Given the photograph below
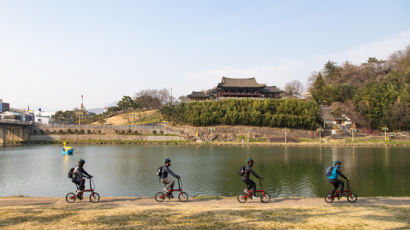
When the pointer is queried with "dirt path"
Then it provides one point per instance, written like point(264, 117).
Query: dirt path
point(225, 213)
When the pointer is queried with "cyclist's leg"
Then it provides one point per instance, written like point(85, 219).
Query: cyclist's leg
point(335, 185)
point(253, 187)
point(169, 183)
point(246, 181)
point(342, 185)
point(82, 184)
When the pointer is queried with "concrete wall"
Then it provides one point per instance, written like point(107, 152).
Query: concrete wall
point(102, 129)
point(13, 133)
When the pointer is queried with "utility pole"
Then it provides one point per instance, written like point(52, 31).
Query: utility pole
point(285, 130)
point(385, 129)
point(171, 96)
point(249, 132)
point(80, 113)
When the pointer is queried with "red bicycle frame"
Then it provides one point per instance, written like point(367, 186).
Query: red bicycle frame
point(174, 190)
point(250, 192)
point(346, 191)
point(85, 190)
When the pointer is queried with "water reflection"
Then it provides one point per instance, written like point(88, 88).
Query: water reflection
point(206, 170)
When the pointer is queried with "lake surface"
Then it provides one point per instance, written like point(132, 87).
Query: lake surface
point(129, 170)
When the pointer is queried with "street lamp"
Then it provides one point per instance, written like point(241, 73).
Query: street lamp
point(80, 114)
point(385, 129)
point(352, 130)
point(249, 131)
point(285, 130)
point(132, 118)
point(211, 129)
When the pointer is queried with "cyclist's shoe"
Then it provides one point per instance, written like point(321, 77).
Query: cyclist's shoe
point(254, 197)
point(245, 190)
point(170, 195)
point(80, 197)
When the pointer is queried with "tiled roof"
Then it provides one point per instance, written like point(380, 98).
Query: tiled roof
point(196, 94)
point(240, 83)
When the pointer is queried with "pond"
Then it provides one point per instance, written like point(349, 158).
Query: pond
point(129, 170)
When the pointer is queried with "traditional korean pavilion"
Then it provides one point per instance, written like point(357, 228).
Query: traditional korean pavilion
point(237, 88)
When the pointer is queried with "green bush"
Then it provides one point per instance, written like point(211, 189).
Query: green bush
point(154, 132)
point(291, 113)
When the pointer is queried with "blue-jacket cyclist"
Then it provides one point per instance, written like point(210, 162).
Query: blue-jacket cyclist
point(333, 178)
point(169, 183)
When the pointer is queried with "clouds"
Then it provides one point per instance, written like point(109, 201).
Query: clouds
point(380, 49)
point(296, 68)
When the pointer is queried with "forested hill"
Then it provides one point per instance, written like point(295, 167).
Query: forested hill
point(375, 94)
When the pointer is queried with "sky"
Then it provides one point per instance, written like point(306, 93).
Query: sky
point(52, 52)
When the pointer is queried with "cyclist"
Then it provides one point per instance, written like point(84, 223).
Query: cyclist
point(333, 178)
point(169, 183)
point(245, 178)
point(78, 176)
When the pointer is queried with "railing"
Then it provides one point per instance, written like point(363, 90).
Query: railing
point(15, 122)
point(114, 127)
point(236, 94)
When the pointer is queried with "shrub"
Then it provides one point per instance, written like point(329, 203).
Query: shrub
point(154, 132)
point(81, 131)
point(61, 131)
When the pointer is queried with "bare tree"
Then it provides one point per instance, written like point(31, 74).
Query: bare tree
point(153, 98)
point(294, 88)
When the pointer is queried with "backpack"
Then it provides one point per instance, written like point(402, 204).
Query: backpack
point(159, 171)
point(329, 171)
point(70, 173)
point(242, 170)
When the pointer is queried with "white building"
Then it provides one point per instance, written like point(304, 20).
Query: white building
point(41, 117)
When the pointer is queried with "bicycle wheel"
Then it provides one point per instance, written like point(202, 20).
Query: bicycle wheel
point(183, 197)
point(70, 197)
point(351, 198)
point(265, 198)
point(95, 197)
point(242, 197)
point(159, 196)
point(329, 198)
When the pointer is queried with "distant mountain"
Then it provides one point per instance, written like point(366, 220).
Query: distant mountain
point(96, 110)
point(101, 110)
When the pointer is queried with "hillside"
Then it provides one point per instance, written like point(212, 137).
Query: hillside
point(141, 117)
point(375, 94)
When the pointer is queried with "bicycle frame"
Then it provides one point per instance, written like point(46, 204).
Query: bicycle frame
point(175, 190)
point(345, 191)
point(91, 189)
point(261, 190)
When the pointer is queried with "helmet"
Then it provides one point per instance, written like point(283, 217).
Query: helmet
point(167, 160)
point(81, 161)
point(338, 162)
point(249, 159)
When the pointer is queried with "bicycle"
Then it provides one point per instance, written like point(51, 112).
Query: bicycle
point(94, 196)
point(182, 196)
point(265, 197)
point(351, 197)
